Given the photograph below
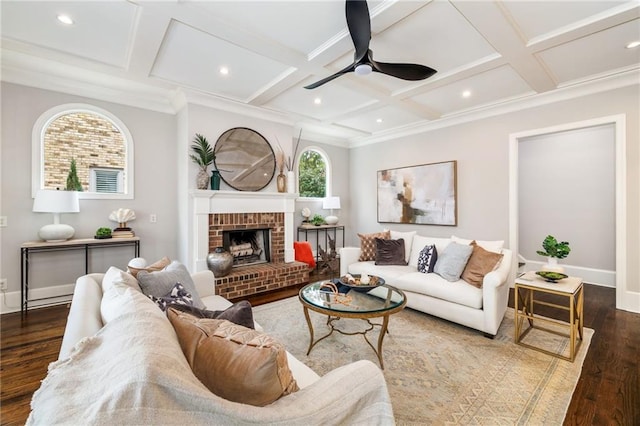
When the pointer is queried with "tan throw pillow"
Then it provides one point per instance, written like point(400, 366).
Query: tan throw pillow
point(368, 245)
point(480, 264)
point(156, 266)
point(234, 362)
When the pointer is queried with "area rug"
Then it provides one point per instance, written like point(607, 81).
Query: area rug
point(439, 372)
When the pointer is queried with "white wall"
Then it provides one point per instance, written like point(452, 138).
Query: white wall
point(482, 150)
point(567, 189)
point(155, 190)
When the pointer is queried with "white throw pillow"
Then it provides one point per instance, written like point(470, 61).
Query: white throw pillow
point(121, 299)
point(115, 275)
point(494, 246)
point(408, 241)
point(420, 242)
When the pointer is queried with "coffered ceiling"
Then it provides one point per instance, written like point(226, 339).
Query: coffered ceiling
point(150, 54)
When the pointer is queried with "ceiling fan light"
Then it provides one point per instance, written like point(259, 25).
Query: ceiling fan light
point(363, 69)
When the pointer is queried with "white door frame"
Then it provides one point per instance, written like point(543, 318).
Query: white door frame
point(625, 299)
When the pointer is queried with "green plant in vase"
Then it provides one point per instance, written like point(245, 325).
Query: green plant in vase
point(103, 232)
point(203, 156)
point(554, 250)
point(317, 220)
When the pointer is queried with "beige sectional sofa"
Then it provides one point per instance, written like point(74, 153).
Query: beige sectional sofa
point(132, 370)
point(480, 308)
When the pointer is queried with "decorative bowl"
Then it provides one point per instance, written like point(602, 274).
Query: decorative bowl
point(551, 276)
point(373, 283)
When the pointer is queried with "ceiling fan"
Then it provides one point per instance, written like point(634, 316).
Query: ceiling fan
point(359, 24)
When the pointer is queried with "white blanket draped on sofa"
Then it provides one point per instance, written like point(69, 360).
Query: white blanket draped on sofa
point(100, 383)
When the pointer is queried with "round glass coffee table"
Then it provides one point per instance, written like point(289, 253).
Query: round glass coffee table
point(381, 301)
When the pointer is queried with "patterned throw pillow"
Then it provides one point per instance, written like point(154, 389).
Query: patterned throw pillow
point(427, 259)
point(368, 245)
point(178, 295)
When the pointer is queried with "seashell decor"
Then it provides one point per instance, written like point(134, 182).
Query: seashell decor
point(122, 216)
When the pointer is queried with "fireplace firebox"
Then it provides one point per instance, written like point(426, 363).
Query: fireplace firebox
point(248, 247)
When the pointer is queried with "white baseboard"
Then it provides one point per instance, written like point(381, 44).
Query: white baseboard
point(10, 301)
point(601, 277)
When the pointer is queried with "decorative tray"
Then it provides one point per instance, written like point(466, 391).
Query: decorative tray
point(551, 276)
point(354, 281)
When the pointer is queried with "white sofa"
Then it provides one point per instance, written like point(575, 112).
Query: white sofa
point(480, 308)
point(132, 371)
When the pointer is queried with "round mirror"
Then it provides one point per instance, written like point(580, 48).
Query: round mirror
point(245, 159)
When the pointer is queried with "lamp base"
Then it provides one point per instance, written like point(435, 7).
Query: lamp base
point(56, 232)
point(331, 220)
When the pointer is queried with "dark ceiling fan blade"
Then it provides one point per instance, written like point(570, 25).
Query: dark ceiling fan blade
point(350, 68)
point(359, 25)
point(411, 72)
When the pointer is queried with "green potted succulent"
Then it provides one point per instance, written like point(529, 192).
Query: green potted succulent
point(554, 250)
point(203, 156)
point(317, 220)
point(103, 233)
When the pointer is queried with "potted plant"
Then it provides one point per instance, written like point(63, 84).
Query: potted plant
point(203, 156)
point(554, 250)
point(103, 233)
point(317, 220)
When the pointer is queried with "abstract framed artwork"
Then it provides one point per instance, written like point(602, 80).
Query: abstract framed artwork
point(424, 194)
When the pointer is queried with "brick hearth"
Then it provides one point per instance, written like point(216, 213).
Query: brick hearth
point(253, 279)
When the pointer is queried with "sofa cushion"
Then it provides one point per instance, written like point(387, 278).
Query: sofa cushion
point(159, 283)
point(140, 264)
point(116, 275)
point(239, 313)
point(120, 299)
point(389, 252)
point(494, 246)
point(459, 292)
point(408, 241)
point(368, 245)
point(177, 296)
point(452, 260)
point(420, 242)
point(427, 259)
point(480, 264)
point(234, 362)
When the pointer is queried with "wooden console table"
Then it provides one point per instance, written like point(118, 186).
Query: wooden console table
point(78, 244)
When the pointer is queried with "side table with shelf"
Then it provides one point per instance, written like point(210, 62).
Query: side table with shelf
point(319, 231)
point(526, 287)
point(26, 249)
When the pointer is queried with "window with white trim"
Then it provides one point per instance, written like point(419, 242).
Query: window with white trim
point(313, 173)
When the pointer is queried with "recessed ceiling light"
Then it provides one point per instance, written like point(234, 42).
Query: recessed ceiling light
point(633, 44)
point(379, 120)
point(466, 94)
point(65, 19)
point(317, 101)
point(224, 70)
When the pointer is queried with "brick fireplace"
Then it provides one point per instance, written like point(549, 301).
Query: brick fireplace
point(218, 211)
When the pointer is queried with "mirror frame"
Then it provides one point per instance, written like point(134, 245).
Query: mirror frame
point(230, 177)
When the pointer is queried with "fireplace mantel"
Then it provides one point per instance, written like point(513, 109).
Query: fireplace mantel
point(210, 202)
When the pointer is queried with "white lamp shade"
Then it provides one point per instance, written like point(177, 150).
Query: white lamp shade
point(331, 203)
point(52, 201)
point(56, 202)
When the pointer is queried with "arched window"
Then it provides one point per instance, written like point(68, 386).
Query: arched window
point(314, 173)
point(90, 139)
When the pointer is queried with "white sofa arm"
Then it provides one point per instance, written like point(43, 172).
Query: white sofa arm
point(205, 283)
point(495, 294)
point(355, 394)
point(84, 318)
point(348, 255)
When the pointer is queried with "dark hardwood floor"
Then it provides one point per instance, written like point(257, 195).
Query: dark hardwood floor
point(608, 392)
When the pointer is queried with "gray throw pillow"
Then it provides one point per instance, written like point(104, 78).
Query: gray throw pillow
point(452, 260)
point(390, 252)
point(159, 283)
point(239, 313)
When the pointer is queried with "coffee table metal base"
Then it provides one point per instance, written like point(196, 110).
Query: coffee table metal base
point(331, 319)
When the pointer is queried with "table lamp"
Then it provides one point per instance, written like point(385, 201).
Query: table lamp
point(331, 203)
point(56, 202)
